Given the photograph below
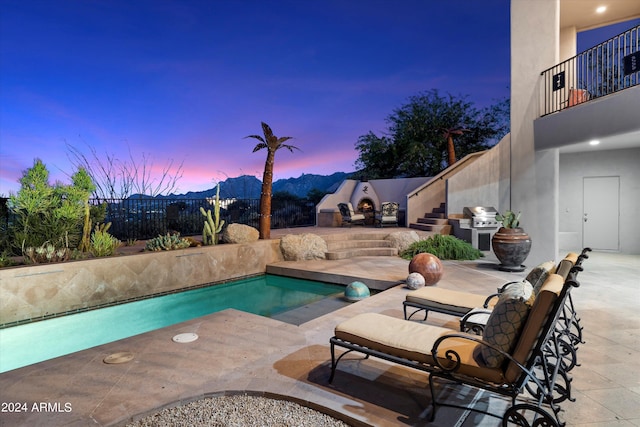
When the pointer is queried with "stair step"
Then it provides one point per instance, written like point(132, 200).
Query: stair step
point(439, 229)
point(337, 245)
point(370, 235)
point(356, 252)
point(436, 221)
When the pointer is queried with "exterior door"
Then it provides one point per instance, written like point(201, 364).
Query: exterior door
point(600, 226)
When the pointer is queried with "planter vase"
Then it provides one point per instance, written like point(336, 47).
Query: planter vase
point(511, 246)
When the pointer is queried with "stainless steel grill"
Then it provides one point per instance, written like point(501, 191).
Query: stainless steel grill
point(482, 217)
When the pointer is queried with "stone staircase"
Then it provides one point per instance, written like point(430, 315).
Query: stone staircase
point(436, 221)
point(349, 245)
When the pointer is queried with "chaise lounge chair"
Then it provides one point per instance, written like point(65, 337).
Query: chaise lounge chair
point(503, 361)
point(473, 307)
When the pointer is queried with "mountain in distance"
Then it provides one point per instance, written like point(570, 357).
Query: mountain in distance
point(249, 187)
point(307, 182)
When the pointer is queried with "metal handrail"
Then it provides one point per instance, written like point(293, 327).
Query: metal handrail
point(609, 67)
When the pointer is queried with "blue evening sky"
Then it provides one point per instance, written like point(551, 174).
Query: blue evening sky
point(188, 79)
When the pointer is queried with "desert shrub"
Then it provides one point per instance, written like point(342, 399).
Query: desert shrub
point(46, 214)
point(102, 243)
point(6, 260)
point(444, 247)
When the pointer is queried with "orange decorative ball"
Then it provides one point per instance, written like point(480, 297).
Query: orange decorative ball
point(429, 266)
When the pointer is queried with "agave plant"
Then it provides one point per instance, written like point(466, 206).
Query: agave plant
point(509, 219)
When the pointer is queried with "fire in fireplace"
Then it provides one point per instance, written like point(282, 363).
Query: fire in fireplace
point(366, 205)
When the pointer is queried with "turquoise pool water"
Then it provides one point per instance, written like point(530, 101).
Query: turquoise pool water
point(266, 295)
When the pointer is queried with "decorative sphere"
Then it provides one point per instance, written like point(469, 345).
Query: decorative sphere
point(415, 281)
point(429, 266)
point(355, 291)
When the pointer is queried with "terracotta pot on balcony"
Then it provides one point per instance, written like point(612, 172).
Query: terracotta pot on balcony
point(511, 246)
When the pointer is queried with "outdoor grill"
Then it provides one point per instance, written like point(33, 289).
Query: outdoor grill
point(482, 217)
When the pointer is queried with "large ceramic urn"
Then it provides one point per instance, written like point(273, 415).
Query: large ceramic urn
point(511, 246)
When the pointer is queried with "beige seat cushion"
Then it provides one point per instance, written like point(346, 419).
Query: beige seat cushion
point(506, 321)
point(437, 299)
point(413, 341)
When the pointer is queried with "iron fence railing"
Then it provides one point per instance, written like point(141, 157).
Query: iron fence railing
point(609, 67)
point(144, 218)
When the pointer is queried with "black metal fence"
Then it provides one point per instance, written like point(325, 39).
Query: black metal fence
point(607, 68)
point(144, 218)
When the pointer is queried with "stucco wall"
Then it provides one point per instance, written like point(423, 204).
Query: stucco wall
point(574, 168)
point(483, 183)
point(46, 289)
point(534, 182)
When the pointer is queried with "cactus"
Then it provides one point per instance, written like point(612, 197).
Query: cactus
point(212, 223)
point(102, 243)
point(168, 242)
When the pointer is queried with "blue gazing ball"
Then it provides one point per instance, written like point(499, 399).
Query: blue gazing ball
point(355, 291)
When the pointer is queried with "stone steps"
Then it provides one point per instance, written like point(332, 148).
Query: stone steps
point(435, 221)
point(337, 245)
point(342, 246)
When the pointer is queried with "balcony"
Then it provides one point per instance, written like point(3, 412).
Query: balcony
point(592, 96)
point(607, 68)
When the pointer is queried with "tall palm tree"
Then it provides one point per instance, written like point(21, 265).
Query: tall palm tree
point(451, 149)
point(272, 143)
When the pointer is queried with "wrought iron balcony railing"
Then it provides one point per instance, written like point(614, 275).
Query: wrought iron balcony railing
point(609, 67)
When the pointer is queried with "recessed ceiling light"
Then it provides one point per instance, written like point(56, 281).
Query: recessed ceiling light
point(601, 9)
point(594, 142)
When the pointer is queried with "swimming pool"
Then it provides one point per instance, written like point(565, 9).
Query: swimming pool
point(266, 295)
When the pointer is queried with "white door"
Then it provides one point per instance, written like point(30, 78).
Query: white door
point(600, 226)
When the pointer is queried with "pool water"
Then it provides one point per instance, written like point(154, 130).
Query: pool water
point(266, 295)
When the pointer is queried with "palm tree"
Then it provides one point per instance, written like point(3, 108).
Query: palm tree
point(272, 143)
point(451, 149)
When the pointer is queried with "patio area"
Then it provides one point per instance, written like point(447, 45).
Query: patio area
point(241, 352)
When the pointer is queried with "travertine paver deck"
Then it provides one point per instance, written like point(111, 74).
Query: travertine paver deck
point(237, 351)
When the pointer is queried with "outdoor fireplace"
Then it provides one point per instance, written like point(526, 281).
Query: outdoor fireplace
point(364, 198)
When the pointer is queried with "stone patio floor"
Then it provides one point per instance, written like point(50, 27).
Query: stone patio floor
point(241, 352)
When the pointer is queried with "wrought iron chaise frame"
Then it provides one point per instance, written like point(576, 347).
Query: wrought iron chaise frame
point(538, 372)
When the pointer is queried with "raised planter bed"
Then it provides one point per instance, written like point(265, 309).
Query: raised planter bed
point(37, 291)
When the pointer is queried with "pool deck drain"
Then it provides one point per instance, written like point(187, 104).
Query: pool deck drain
point(185, 338)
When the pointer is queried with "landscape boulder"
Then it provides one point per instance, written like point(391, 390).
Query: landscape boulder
point(401, 240)
point(240, 233)
point(301, 247)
